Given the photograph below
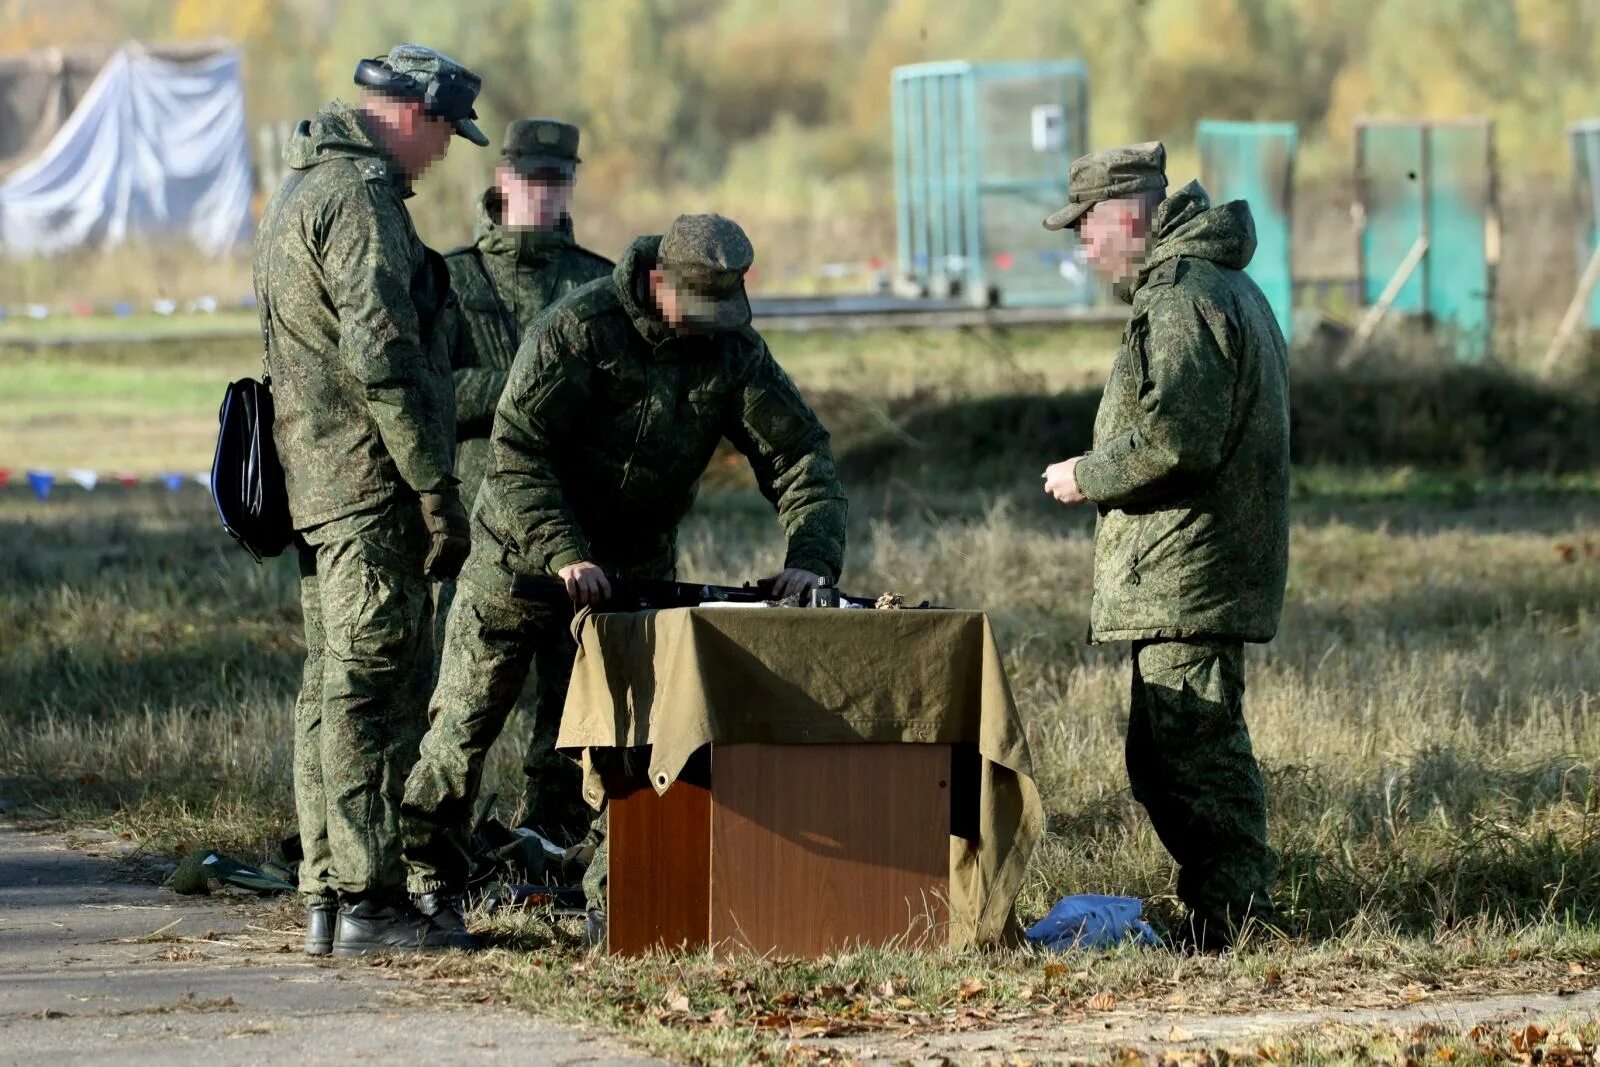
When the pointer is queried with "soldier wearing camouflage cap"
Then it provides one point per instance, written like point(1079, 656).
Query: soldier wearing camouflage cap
point(616, 402)
point(1190, 473)
point(349, 299)
point(522, 259)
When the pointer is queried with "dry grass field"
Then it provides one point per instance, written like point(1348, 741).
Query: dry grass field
point(1429, 717)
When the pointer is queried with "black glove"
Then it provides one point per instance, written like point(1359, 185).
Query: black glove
point(449, 537)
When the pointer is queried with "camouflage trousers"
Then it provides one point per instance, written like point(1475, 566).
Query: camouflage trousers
point(552, 802)
point(363, 695)
point(1192, 767)
point(491, 645)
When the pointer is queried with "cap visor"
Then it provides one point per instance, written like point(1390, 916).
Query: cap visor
point(1067, 216)
point(469, 129)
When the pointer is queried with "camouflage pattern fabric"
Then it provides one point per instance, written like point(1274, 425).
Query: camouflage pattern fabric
point(364, 422)
point(1110, 174)
point(349, 299)
point(608, 422)
point(1190, 466)
point(363, 700)
point(1191, 766)
point(599, 442)
point(501, 282)
point(552, 801)
point(491, 644)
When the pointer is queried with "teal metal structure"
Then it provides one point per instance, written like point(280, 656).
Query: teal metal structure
point(1254, 162)
point(1585, 139)
point(981, 156)
point(1433, 180)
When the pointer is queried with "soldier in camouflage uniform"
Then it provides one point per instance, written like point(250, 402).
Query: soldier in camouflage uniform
point(615, 404)
point(523, 259)
point(348, 298)
point(1190, 473)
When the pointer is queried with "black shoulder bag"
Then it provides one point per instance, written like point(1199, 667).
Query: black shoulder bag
point(246, 477)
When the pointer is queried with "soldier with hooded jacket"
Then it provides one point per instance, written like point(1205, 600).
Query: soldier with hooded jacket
point(1190, 474)
point(616, 402)
point(364, 427)
point(522, 260)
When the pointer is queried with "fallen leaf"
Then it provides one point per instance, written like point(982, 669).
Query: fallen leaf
point(1529, 1038)
point(1102, 1002)
point(886, 990)
point(679, 1003)
point(1178, 1035)
point(1447, 1053)
point(969, 988)
point(1055, 970)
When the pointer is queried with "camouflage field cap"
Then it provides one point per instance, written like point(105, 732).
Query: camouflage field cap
point(448, 89)
point(706, 257)
point(534, 145)
point(1108, 175)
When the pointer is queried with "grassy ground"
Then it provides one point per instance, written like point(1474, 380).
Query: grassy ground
point(1426, 717)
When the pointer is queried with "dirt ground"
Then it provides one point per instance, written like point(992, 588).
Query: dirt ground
point(94, 965)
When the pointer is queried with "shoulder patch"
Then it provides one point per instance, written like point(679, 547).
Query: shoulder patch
point(591, 300)
point(372, 169)
point(1166, 273)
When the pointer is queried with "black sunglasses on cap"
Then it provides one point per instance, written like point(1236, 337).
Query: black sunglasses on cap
point(447, 95)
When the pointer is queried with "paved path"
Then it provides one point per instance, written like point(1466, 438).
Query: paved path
point(90, 972)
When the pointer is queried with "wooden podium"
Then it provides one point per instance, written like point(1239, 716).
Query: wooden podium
point(794, 849)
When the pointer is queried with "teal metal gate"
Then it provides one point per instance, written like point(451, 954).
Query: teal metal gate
point(1254, 162)
point(1426, 194)
point(981, 156)
point(1585, 138)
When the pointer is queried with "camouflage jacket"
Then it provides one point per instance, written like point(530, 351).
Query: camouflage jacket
point(348, 298)
point(609, 420)
point(1190, 466)
point(501, 281)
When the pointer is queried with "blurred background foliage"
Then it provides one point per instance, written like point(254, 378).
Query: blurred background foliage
point(776, 111)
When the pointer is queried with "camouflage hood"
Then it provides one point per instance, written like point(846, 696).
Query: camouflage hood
point(337, 132)
point(529, 247)
point(1187, 225)
point(633, 290)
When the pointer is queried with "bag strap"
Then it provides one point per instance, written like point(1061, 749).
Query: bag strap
point(290, 184)
point(506, 319)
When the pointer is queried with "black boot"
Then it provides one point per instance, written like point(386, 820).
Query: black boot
point(448, 914)
point(321, 918)
point(378, 926)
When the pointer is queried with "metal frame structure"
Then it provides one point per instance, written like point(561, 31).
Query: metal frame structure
point(942, 182)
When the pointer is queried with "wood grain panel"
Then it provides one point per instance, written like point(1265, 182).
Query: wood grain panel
point(818, 847)
point(658, 884)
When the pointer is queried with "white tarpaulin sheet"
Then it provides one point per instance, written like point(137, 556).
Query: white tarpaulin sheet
point(156, 149)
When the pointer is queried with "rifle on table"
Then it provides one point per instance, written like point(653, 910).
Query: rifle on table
point(651, 594)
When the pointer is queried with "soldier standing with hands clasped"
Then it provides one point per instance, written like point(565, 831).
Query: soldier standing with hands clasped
point(523, 259)
point(1190, 473)
point(348, 298)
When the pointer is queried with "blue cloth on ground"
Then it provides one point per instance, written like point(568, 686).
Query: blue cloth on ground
point(1089, 920)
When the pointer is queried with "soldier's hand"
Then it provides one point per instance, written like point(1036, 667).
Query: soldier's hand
point(449, 536)
point(1061, 481)
point(794, 581)
point(586, 583)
